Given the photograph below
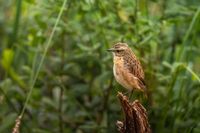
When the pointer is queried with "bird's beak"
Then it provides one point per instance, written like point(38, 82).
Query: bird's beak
point(111, 50)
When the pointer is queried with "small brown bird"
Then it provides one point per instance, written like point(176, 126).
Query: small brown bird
point(127, 68)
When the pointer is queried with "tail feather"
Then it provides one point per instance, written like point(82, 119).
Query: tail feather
point(143, 87)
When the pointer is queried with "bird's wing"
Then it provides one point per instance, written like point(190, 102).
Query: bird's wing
point(134, 67)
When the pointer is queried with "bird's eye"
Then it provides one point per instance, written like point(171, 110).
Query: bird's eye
point(118, 51)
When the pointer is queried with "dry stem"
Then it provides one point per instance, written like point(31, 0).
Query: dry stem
point(136, 120)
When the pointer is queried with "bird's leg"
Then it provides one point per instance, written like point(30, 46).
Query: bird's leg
point(140, 97)
point(131, 94)
point(126, 92)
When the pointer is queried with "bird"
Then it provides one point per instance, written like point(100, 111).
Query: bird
point(127, 69)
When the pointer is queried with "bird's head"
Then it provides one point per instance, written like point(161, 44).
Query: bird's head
point(119, 49)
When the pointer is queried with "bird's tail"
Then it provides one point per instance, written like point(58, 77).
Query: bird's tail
point(148, 96)
point(143, 87)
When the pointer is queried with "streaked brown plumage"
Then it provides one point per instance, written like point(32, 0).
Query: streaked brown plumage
point(127, 68)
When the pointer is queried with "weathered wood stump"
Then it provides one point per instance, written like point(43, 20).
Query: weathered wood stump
point(136, 120)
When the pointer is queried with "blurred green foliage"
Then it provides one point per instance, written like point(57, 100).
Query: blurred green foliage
point(75, 90)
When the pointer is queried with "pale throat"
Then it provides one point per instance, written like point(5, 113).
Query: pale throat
point(117, 64)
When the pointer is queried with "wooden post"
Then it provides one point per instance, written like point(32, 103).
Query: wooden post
point(136, 120)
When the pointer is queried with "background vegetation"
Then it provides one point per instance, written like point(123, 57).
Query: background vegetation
point(74, 90)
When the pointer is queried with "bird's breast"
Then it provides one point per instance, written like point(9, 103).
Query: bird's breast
point(121, 73)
